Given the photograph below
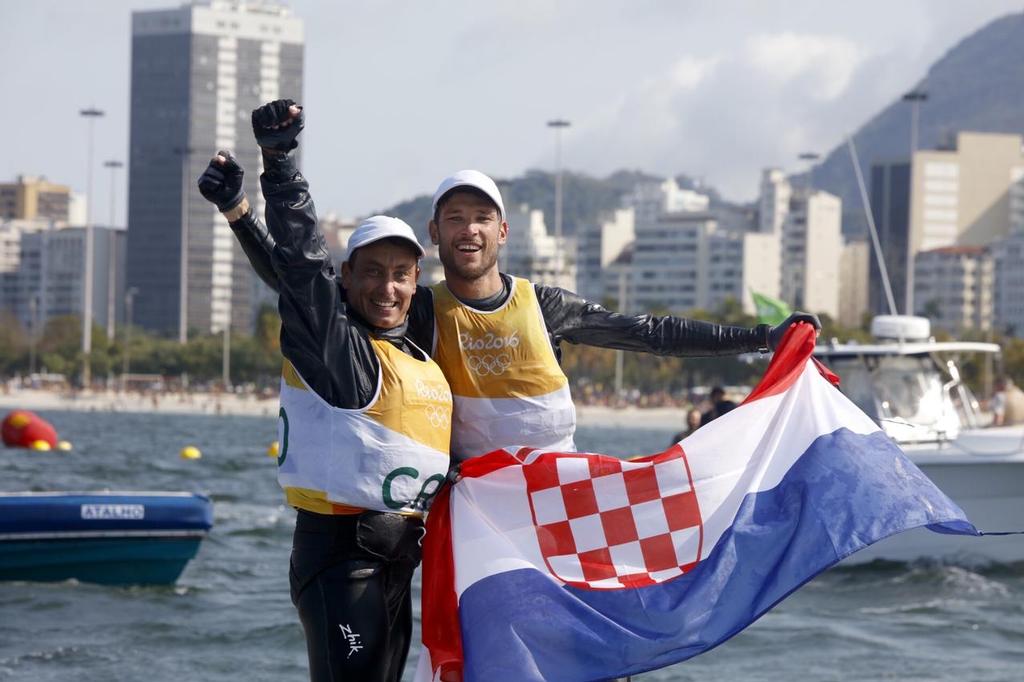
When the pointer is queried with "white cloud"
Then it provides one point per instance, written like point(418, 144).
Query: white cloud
point(689, 71)
point(828, 62)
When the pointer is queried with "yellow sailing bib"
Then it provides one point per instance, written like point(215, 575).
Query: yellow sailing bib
point(507, 387)
point(389, 456)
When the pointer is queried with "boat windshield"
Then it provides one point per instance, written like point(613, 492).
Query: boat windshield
point(904, 393)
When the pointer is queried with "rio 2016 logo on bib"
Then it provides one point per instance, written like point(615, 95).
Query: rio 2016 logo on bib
point(489, 341)
point(488, 363)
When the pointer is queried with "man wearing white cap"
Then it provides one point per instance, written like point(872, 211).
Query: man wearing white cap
point(497, 336)
point(365, 419)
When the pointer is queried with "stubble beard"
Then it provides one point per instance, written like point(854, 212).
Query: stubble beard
point(465, 272)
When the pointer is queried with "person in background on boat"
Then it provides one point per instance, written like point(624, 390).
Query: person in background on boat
point(693, 417)
point(365, 414)
point(719, 406)
point(498, 337)
point(1007, 403)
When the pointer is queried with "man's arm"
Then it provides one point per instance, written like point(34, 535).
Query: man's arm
point(317, 336)
point(571, 318)
point(221, 185)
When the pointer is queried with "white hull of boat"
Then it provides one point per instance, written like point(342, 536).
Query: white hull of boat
point(983, 472)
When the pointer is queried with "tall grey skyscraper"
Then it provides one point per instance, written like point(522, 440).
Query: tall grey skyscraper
point(197, 72)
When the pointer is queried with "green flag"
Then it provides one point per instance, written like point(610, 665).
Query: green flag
point(770, 310)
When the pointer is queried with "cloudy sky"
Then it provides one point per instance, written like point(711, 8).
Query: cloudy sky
point(401, 93)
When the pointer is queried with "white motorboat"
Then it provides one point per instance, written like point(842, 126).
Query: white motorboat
point(911, 385)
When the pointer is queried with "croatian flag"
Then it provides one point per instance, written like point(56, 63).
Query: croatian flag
point(570, 566)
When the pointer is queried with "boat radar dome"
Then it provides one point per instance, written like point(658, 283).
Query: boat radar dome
point(901, 328)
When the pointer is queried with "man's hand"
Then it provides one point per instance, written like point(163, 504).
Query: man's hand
point(277, 124)
point(221, 182)
point(776, 333)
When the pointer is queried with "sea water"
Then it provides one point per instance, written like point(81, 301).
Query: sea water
point(229, 616)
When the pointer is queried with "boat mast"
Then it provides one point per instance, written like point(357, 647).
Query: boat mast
point(871, 226)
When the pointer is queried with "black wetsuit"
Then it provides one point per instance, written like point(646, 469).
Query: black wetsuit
point(350, 574)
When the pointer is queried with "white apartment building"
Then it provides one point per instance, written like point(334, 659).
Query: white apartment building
point(809, 224)
point(972, 194)
point(684, 258)
point(853, 282)
point(953, 287)
point(534, 254)
point(597, 246)
point(1008, 294)
point(44, 267)
point(773, 202)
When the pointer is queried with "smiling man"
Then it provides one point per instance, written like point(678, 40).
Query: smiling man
point(365, 418)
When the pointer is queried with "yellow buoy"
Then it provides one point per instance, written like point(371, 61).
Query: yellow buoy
point(40, 445)
point(190, 452)
point(274, 449)
point(64, 446)
point(19, 420)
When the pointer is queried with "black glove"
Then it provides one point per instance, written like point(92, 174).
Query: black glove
point(221, 184)
point(274, 127)
point(776, 333)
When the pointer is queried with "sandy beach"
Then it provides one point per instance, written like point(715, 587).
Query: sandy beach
point(252, 405)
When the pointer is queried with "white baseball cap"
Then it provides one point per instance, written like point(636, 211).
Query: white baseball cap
point(378, 227)
point(470, 178)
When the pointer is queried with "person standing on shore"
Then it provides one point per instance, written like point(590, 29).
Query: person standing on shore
point(365, 419)
point(497, 337)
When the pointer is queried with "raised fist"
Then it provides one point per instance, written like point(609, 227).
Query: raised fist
point(221, 182)
point(277, 124)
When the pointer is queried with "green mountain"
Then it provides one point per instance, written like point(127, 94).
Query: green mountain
point(585, 197)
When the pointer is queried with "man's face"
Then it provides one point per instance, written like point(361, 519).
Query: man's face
point(467, 232)
point(380, 282)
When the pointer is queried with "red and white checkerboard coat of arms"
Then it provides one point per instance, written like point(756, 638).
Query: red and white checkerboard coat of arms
point(604, 523)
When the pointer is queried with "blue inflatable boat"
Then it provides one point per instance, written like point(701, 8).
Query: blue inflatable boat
point(113, 538)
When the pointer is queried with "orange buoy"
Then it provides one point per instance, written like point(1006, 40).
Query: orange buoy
point(24, 429)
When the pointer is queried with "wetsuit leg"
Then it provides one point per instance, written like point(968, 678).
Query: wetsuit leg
point(351, 583)
point(344, 613)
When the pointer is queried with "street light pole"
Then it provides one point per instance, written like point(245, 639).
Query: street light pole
point(915, 97)
point(129, 299)
point(90, 114)
point(558, 125)
point(809, 158)
point(226, 359)
point(186, 155)
point(112, 252)
point(33, 310)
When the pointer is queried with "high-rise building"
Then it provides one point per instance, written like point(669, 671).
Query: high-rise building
point(597, 246)
point(809, 225)
point(953, 287)
point(970, 193)
point(689, 255)
point(531, 252)
point(197, 72)
point(29, 198)
point(1008, 288)
point(853, 282)
point(43, 272)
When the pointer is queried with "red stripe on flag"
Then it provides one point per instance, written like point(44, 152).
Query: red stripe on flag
point(442, 634)
point(788, 362)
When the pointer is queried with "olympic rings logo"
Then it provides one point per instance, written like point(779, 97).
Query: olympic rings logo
point(438, 416)
point(433, 391)
point(484, 365)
